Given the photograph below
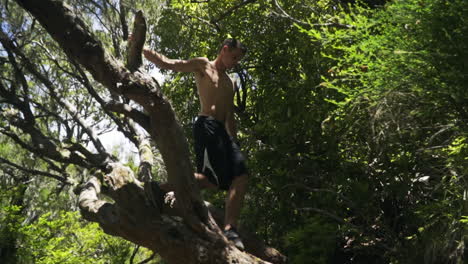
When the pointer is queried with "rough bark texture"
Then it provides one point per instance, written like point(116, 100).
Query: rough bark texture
point(133, 218)
point(184, 232)
point(134, 59)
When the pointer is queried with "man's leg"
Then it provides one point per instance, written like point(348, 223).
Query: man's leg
point(234, 200)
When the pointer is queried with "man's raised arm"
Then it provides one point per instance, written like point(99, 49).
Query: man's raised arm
point(161, 61)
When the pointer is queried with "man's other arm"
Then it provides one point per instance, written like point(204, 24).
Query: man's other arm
point(162, 62)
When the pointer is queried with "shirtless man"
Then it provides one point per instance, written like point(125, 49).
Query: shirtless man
point(220, 164)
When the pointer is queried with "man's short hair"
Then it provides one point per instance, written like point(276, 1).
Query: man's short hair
point(233, 43)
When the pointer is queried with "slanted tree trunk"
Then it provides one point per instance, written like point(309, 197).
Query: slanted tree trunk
point(181, 230)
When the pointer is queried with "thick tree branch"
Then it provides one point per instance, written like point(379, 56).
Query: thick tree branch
point(134, 219)
point(153, 192)
point(91, 205)
point(125, 109)
point(135, 45)
point(146, 160)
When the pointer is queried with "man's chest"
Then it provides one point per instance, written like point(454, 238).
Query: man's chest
point(219, 82)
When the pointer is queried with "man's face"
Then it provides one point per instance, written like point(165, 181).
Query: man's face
point(231, 57)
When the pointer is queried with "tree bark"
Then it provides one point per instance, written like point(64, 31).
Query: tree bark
point(133, 218)
point(182, 233)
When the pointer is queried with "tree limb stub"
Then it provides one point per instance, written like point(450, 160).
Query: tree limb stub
point(135, 45)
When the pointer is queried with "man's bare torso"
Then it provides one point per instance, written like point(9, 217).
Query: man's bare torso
point(216, 92)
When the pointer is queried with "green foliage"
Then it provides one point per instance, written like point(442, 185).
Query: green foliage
point(10, 219)
point(64, 238)
point(36, 225)
point(313, 243)
point(399, 118)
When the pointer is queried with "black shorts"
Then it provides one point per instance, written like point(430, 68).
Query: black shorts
point(218, 157)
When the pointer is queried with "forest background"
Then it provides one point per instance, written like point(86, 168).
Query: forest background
point(353, 116)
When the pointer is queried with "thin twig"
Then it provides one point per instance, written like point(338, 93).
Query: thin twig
point(297, 21)
point(231, 10)
point(35, 172)
point(148, 259)
point(135, 251)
